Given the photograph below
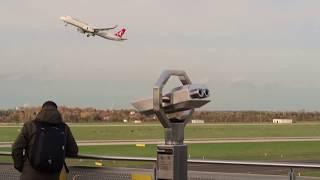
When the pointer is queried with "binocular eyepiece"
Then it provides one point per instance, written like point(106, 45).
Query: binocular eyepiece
point(179, 99)
point(199, 93)
point(183, 99)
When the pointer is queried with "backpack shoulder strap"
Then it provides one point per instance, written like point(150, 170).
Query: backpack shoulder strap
point(66, 167)
point(33, 134)
point(66, 133)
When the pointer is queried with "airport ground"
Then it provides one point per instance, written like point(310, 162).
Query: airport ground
point(297, 142)
point(199, 132)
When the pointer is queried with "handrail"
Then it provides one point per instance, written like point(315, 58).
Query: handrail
point(5, 153)
point(117, 158)
point(194, 161)
point(255, 163)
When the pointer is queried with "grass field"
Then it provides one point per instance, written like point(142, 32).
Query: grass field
point(267, 151)
point(258, 151)
point(273, 151)
point(154, 131)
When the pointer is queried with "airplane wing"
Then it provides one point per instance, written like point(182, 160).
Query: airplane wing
point(104, 29)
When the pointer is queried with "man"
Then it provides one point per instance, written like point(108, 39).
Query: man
point(33, 145)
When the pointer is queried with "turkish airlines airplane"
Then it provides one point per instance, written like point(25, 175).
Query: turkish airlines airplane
point(85, 28)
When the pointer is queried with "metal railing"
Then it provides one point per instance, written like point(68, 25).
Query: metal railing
point(196, 161)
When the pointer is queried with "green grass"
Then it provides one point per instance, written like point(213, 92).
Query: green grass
point(191, 131)
point(266, 151)
point(313, 173)
point(120, 150)
point(197, 131)
point(254, 130)
point(8, 133)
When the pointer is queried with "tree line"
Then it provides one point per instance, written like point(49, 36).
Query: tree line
point(74, 115)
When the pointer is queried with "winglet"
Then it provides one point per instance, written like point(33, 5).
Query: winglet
point(120, 33)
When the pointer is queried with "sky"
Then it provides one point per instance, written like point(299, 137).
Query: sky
point(252, 54)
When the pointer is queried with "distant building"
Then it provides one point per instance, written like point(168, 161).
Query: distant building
point(137, 121)
point(106, 118)
point(197, 121)
point(282, 121)
point(132, 113)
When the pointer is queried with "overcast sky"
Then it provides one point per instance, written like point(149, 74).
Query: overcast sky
point(253, 54)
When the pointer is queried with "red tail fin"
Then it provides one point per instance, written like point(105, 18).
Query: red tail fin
point(120, 33)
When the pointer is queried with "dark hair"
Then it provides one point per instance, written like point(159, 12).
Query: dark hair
point(49, 103)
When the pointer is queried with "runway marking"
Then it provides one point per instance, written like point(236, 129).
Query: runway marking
point(5, 125)
point(188, 141)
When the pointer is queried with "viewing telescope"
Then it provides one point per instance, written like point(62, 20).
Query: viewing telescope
point(179, 99)
point(172, 156)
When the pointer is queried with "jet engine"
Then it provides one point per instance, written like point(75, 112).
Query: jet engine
point(80, 30)
point(90, 34)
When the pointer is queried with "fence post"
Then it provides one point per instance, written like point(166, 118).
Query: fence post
point(292, 176)
point(154, 172)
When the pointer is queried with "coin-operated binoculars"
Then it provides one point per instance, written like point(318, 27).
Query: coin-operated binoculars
point(174, 110)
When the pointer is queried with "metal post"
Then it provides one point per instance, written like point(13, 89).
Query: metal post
point(154, 172)
point(292, 176)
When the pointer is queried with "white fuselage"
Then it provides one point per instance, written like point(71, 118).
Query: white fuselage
point(77, 23)
point(110, 36)
point(90, 30)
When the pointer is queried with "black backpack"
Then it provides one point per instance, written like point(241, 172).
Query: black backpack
point(47, 154)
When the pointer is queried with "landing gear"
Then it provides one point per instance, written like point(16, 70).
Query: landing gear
point(90, 34)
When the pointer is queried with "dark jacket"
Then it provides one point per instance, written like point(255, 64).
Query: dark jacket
point(25, 140)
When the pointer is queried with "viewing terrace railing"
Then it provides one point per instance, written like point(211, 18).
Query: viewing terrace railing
point(290, 166)
point(198, 161)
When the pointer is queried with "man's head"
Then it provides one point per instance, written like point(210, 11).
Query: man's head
point(49, 104)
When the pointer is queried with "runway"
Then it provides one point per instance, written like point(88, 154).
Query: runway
point(188, 141)
point(11, 125)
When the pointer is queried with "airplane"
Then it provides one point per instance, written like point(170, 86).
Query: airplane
point(85, 28)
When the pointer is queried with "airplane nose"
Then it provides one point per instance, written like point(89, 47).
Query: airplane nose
point(62, 18)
